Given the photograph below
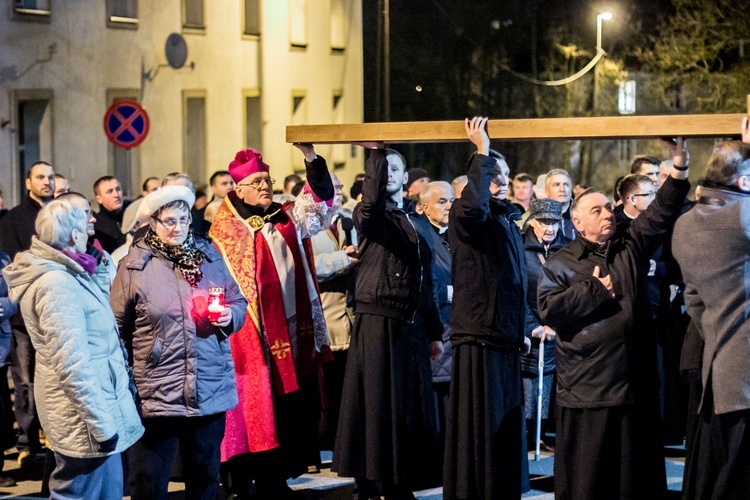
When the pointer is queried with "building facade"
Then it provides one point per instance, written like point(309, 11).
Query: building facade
point(252, 68)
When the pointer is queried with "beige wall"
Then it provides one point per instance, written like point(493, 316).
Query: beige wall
point(91, 59)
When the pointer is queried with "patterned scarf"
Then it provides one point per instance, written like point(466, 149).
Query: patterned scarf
point(185, 257)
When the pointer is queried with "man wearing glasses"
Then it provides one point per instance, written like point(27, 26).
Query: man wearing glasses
point(636, 192)
point(278, 354)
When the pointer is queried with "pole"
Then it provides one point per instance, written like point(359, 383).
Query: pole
point(539, 397)
point(379, 62)
point(595, 102)
point(387, 59)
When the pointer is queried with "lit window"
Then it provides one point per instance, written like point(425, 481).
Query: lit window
point(626, 98)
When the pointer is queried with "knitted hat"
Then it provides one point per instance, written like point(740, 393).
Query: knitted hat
point(246, 162)
point(545, 208)
point(415, 174)
point(166, 194)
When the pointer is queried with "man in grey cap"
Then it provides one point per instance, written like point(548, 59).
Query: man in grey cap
point(541, 239)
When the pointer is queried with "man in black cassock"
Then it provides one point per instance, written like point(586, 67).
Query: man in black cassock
point(387, 434)
point(485, 449)
point(594, 292)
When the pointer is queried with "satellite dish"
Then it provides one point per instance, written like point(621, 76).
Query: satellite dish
point(176, 50)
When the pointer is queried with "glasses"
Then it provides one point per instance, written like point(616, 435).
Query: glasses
point(548, 224)
point(650, 193)
point(170, 224)
point(258, 183)
point(338, 187)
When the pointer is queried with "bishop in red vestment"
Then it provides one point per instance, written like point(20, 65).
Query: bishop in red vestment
point(272, 434)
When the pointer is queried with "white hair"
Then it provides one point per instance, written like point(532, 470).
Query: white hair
point(56, 222)
point(426, 194)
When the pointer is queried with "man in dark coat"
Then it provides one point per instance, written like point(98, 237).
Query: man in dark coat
point(16, 230)
point(594, 293)
point(111, 208)
point(436, 200)
point(542, 238)
point(711, 244)
point(387, 435)
point(484, 446)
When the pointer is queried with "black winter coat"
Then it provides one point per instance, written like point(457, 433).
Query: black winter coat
point(489, 268)
point(441, 280)
point(17, 227)
point(16, 230)
point(107, 228)
point(606, 347)
point(394, 277)
point(533, 250)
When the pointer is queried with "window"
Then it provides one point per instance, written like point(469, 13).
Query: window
point(338, 25)
point(192, 14)
point(626, 98)
point(194, 139)
point(32, 10)
point(252, 18)
point(253, 120)
point(34, 134)
point(298, 23)
point(122, 14)
point(299, 117)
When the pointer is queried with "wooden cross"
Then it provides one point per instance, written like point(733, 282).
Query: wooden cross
point(605, 127)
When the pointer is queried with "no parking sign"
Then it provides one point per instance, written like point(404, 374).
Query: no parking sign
point(126, 124)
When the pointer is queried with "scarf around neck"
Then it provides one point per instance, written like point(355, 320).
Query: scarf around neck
point(186, 257)
point(86, 261)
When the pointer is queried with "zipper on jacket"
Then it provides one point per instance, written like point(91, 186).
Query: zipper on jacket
point(184, 333)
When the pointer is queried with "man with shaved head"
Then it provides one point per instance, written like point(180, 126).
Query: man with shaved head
point(594, 293)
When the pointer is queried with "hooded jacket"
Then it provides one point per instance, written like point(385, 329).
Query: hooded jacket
point(81, 382)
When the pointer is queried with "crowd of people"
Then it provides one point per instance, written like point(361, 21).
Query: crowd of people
point(429, 333)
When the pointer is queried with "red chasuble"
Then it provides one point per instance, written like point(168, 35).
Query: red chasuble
point(262, 349)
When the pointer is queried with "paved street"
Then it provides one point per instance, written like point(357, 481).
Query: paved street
point(327, 486)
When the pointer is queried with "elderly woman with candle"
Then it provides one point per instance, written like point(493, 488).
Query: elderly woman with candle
point(81, 380)
point(165, 299)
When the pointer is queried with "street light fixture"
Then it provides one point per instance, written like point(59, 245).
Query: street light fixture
point(604, 16)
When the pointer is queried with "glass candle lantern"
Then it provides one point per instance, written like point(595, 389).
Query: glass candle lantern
point(216, 304)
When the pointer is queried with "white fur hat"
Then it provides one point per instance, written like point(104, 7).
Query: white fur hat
point(167, 194)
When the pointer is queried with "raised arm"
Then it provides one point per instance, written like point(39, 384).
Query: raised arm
point(316, 172)
point(472, 209)
point(651, 227)
point(368, 214)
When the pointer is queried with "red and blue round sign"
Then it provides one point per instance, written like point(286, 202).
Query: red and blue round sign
point(126, 124)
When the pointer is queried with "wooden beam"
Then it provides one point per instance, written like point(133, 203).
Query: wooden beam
point(606, 127)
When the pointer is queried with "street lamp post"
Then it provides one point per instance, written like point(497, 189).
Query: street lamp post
point(604, 16)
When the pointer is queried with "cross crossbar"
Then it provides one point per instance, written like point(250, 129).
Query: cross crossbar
point(605, 127)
